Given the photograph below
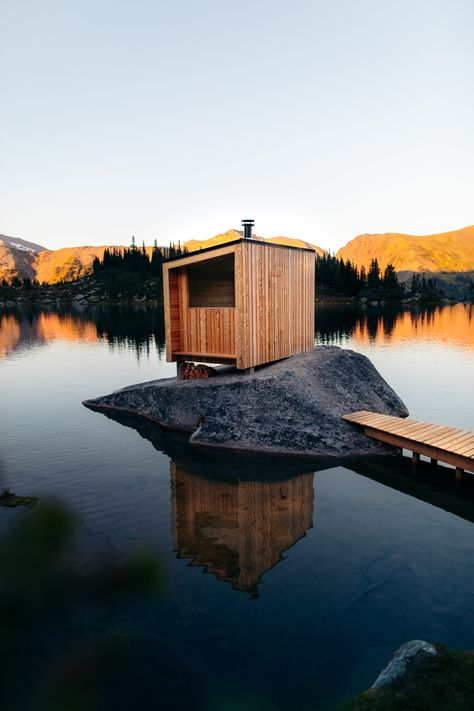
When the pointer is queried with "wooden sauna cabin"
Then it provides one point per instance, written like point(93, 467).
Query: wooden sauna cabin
point(245, 302)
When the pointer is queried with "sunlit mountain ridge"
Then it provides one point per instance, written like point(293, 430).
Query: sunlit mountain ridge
point(448, 253)
point(193, 245)
point(445, 252)
point(26, 259)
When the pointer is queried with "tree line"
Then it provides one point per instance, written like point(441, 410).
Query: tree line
point(136, 260)
point(336, 277)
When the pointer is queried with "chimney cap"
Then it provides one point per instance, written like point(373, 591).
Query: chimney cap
point(248, 222)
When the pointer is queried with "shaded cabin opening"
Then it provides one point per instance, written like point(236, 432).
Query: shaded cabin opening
point(212, 284)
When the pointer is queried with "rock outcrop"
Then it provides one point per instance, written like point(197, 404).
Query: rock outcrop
point(407, 656)
point(293, 406)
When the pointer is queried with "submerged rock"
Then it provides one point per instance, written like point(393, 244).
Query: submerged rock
point(10, 500)
point(292, 406)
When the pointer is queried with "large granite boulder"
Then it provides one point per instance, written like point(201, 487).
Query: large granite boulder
point(293, 406)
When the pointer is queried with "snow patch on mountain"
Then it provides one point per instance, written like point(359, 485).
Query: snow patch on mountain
point(17, 245)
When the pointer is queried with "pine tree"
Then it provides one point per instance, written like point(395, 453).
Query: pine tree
point(390, 281)
point(373, 276)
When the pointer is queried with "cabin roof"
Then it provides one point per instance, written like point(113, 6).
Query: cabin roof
point(215, 247)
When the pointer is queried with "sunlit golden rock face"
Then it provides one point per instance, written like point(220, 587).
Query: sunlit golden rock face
point(66, 264)
point(238, 530)
point(448, 251)
point(16, 263)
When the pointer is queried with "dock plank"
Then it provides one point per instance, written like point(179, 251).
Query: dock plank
point(450, 445)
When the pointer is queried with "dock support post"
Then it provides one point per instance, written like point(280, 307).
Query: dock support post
point(415, 457)
point(459, 473)
point(434, 461)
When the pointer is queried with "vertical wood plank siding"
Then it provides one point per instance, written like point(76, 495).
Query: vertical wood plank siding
point(275, 303)
point(172, 313)
point(273, 316)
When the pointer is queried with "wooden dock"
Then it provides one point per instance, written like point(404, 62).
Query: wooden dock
point(449, 445)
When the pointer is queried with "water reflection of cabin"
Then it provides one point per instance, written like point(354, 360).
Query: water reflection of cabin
point(238, 530)
point(246, 303)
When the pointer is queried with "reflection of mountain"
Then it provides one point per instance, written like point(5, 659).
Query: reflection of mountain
point(394, 323)
point(141, 328)
point(138, 328)
point(238, 530)
point(452, 325)
point(9, 334)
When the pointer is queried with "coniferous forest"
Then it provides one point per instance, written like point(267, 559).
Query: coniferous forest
point(338, 278)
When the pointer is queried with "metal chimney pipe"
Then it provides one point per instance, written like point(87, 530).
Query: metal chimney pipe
point(247, 225)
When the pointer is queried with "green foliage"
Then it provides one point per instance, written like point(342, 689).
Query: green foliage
point(425, 288)
point(131, 272)
point(10, 500)
point(336, 277)
point(373, 276)
point(41, 591)
point(390, 280)
point(136, 261)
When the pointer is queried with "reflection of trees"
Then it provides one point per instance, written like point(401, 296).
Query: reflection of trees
point(132, 327)
point(141, 328)
point(338, 322)
point(138, 328)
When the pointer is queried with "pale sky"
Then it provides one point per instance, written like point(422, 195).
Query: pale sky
point(319, 119)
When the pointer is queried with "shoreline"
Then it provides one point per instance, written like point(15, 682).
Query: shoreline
point(73, 295)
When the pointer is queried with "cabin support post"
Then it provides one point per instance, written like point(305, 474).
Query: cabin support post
point(179, 369)
point(434, 460)
point(459, 474)
point(415, 457)
point(249, 371)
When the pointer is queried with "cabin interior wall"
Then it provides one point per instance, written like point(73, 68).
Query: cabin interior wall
point(204, 330)
point(212, 284)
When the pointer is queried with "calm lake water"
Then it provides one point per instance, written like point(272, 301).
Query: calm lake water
point(286, 588)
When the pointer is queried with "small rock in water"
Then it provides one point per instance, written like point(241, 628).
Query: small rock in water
point(416, 649)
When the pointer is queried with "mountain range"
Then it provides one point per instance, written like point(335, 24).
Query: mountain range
point(447, 253)
point(444, 252)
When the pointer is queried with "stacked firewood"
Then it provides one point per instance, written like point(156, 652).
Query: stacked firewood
point(189, 371)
